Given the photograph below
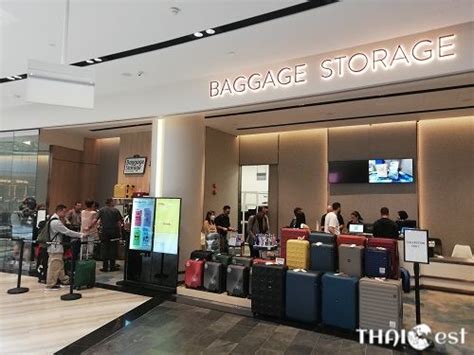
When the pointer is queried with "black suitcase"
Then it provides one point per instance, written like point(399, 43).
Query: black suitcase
point(325, 238)
point(268, 290)
point(42, 264)
point(222, 258)
point(237, 283)
point(214, 277)
point(201, 255)
point(242, 260)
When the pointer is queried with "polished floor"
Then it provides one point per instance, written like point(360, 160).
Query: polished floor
point(109, 278)
point(38, 322)
point(174, 328)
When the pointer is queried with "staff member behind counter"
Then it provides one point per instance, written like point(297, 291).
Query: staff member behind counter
point(385, 227)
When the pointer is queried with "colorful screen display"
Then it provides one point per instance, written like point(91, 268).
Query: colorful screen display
point(391, 171)
point(167, 219)
point(141, 230)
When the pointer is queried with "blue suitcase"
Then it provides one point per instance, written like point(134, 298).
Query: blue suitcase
point(340, 301)
point(405, 275)
point(323, 257)
point(325, 238)
point(377, 262)
point(303, 296)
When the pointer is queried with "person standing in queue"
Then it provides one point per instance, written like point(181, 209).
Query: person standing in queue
point(385, 227)
point(73, 217)
point(111, 222)
point(87, 216)
point(222, 222)
point(323, 218)
point(331, 222)
point(257, 224)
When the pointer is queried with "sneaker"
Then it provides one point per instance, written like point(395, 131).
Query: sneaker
point(52, 288)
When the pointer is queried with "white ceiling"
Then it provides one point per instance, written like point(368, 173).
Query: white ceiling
point(33, 29)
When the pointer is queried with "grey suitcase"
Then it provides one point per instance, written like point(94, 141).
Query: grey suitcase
point(351, 259)
point(242, 260)
point(214, 277)
point(237, 280)
point(380, 304)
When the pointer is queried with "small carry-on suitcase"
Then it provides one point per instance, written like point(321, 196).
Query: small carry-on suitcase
point(323, 257)
point(351, 259)
point(380, 304)
point(235, 251)
point(242, 260)
point(212, 242)
point(214, 277)
point(297, 254)
point(268, 290)
point(237, 283)
point(84, 273)
point(303, 296)
point(120, 190)
point(392, 246)
point(405, 276)
point(340, 301)
point(290, 233)
point(222, 258)
point(325, 238)
point(194, 273)
point(377, 262)
point(201, 255)
point(351, 239)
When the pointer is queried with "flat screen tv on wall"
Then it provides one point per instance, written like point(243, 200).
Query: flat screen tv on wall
point(348, 172)
point(391, 171)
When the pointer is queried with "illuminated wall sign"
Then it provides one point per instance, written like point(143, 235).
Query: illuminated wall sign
point(373, 59)
point(283, 77)
point(422, 51)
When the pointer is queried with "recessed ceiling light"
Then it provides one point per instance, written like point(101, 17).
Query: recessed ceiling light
point(90, 61)
point(98, 60)
point(231, 53)
point(198, 34)
point(52, 44)
point(210, 31)
point(127, 74)
point(17, 96)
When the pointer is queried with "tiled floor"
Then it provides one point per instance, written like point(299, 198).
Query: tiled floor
point(174, 328)
point(109, 278)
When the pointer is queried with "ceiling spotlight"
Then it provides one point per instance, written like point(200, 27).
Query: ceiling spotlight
point(90, 61)
point(10, 78)
point(17, 76)
point(98, 60)
point(210, 31)
point(198, 34)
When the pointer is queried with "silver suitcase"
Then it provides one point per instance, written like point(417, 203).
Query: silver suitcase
point(351, 260)
point(380, 304)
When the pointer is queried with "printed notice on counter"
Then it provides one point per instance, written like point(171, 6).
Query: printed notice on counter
point(416, 246)
point(167, 219)
point(141, 229)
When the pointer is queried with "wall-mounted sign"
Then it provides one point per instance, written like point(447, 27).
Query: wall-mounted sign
point(167, 221)
point(141, 229)
point(416, 246)
point(134, 165)
point(405, 52)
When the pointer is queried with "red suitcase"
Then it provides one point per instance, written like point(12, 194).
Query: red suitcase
point(291, 233)
point(194, 273)
point(263, 261)
point(351, 239)
point(392, 246)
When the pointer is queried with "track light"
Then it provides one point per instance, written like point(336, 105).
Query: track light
point(90, 61)
point(198, 34)
point(210, 31)
point(98, 60)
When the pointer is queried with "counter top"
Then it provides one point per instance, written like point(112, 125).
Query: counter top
point(451, 260)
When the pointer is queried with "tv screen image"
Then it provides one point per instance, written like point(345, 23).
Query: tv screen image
point(348, 172)
point(391, 171)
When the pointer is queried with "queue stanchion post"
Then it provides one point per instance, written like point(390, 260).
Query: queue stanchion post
point(71, 296)
point(18, 289)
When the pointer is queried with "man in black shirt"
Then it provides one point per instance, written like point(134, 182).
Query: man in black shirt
point(385, 227)
point(222, 222)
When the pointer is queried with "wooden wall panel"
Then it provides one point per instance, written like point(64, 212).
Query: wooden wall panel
point(130, 145)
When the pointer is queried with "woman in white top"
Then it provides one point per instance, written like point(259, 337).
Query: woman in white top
point(87, 216)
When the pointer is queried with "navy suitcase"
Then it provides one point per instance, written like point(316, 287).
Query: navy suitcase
point(321, 237)
point(303, 296)
point(377, 262)
point(201, 255)
point(268, 290)
point(405, 275)
point(242, 260)
point(237, 283)
point(323, 257)
point(340, 301)
point(214, 277)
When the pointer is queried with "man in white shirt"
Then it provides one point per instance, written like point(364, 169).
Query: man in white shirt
point(331, 222)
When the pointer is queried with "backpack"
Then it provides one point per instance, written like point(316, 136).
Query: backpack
point(43, 235)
